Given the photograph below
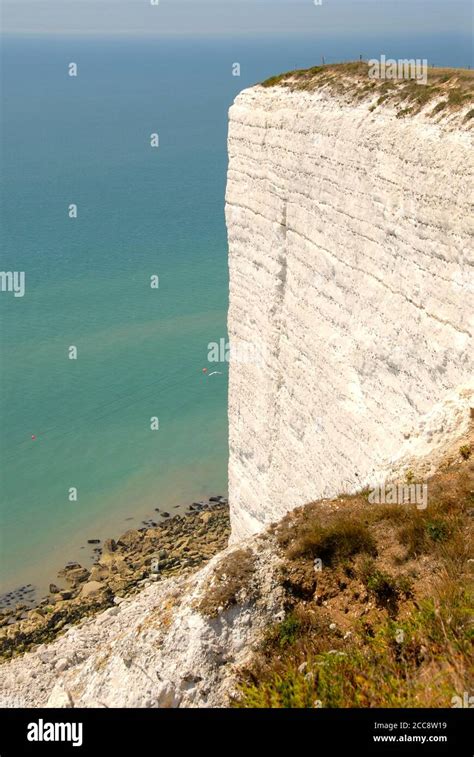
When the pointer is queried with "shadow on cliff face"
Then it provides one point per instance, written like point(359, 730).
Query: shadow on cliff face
point(377, 602)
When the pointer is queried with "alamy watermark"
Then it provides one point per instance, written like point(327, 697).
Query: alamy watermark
point(13, 281)
point(463, 701)
point(45, 731)
point(400, 494)
point(388, 69)
point(250, 353)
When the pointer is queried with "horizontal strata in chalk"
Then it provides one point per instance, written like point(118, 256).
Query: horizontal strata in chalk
point(350, 270)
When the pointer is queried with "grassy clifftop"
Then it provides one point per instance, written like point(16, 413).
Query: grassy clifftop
point(447, 89)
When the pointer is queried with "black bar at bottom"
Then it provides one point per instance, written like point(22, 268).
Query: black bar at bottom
point(93, 731)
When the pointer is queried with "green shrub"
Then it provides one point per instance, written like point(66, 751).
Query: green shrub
point(332, 544)
point(465, 450)
point(288, 630)
point(437, 530)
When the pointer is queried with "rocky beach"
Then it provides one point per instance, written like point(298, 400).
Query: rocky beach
point(167, 546)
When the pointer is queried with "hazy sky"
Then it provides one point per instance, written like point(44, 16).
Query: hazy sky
point(208, 17)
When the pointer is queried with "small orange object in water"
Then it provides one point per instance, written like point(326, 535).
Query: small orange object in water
point(204, 370)
point(33, 437)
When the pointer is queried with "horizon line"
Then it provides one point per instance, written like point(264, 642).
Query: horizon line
point(204, 35)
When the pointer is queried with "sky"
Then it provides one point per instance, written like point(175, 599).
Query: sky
point(230, 17)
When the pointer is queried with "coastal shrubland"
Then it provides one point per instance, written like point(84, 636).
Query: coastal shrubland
point(387, 620)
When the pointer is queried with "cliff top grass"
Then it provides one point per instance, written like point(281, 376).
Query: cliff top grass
point(447, 90)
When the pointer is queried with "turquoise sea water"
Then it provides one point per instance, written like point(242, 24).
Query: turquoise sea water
point(141, 211)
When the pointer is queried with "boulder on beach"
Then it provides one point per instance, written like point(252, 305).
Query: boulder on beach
point(131, 539)
point(92, 588)
point(74, 574)
point(110, 545)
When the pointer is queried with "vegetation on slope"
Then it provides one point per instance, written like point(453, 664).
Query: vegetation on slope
point(385, 619)
point(450, 89)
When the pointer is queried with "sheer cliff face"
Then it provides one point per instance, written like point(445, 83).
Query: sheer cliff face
point(351, 277)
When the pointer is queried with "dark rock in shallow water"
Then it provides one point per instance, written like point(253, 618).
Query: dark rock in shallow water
point(215, 499)
point(53, 589)
point(93, 541)
point(165, 515)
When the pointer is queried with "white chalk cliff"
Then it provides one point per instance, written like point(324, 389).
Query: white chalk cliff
point(351, 274)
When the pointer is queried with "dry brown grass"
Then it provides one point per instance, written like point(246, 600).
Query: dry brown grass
point(351, 80)
point(385, 629)
point(338, 541)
